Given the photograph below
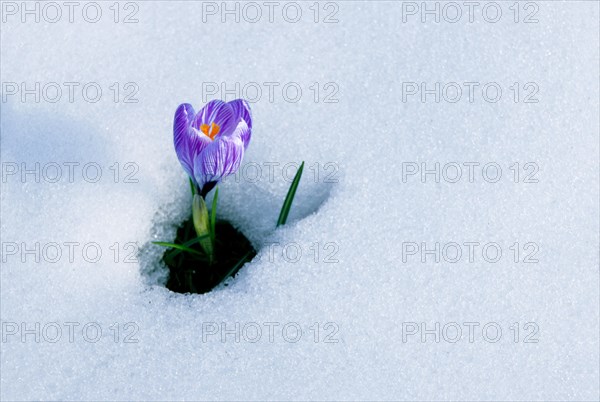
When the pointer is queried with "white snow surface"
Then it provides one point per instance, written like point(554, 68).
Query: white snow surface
point(364, 303)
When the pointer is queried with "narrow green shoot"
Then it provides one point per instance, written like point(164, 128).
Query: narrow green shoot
point(192, 186)
point(287, 204)
point(177, 246)
point(182, 247)
point(213, 216)
point(237, 266)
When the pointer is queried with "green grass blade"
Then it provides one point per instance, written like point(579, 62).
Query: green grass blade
point(213, 215)
point(287, 204)
point(177, 246)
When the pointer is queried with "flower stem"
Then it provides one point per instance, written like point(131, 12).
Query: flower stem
point(202, 225)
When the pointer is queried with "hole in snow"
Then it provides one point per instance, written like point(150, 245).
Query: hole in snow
point(247, 217)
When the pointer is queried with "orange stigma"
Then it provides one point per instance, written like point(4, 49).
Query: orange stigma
point(210, 131)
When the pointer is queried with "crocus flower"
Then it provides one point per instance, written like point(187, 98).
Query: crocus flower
point(210, 144)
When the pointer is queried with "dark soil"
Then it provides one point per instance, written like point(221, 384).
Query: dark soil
point(191, 273)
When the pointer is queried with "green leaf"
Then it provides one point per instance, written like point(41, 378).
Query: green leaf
point(194, 240)
point(287, 204)
point(176, 246)
point(181, 247)
point(192, 186)
point(213, 215)
point(237, 266)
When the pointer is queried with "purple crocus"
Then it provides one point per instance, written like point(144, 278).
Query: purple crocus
point(210, 144)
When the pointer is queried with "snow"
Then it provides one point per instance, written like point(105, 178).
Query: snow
point(157, 345)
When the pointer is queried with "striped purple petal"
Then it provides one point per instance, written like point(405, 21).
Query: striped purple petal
point(241, 108)
point(220, 158)
point(188, 143)
point(219, 113)
point(242, 131)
